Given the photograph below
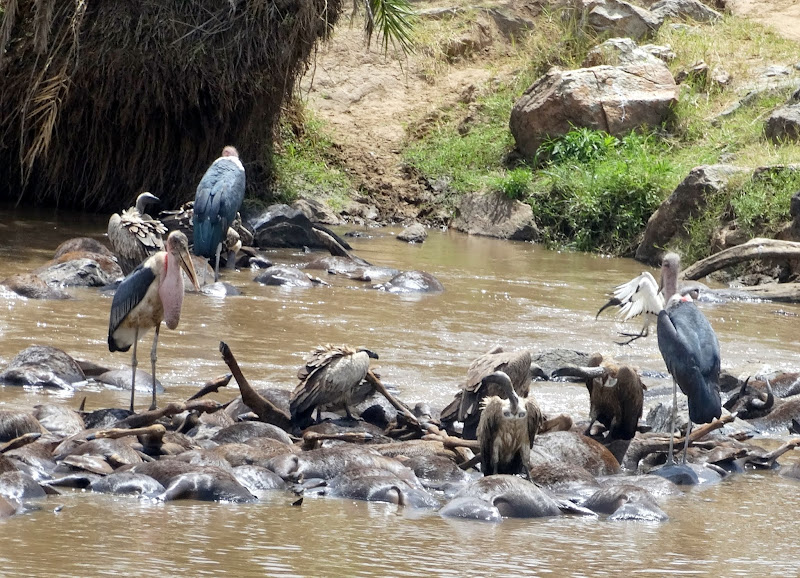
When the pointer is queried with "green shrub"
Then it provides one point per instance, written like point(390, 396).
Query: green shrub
point(582, 145)
point(516, 184)
point(602, 204)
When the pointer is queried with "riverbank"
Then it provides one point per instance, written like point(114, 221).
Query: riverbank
point(382, 115)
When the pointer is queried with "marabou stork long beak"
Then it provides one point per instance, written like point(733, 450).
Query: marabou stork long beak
point(188, 266)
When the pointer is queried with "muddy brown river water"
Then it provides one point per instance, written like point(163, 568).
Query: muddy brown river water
point(518, 295)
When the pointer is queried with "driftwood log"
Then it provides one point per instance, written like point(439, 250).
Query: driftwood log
point(758, 248)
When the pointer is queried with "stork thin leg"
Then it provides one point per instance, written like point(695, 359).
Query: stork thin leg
point(216, 264)
point(670, 458)
point(153, 358)
point(686, 443)
point(134, 363)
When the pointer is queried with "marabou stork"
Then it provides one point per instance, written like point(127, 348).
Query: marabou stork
point(688, 345)
point(134, 235)
point(642, 296)
point(329, 378)
point(507, 429)
point(217, 200)
point(466, 405)
point(151, 293)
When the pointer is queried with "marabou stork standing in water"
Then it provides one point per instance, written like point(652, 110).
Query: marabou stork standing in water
point(217, 200)
point(690, 350)
point(507, 429)
point(134, 235)
point(151, 293)
point(330, 377)
point(687, 342)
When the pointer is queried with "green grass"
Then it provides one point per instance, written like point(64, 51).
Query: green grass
point(305, 166)
point(758, 206)
point(589, 191)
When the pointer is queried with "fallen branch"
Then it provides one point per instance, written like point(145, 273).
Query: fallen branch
point(263, 408)
point(758, 248)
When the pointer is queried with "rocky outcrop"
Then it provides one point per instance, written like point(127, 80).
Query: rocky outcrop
point(317, 212)
point(687, 200)
point(495, 215)
point(784, 124)
point(622, 51)
point(683, 10)
point(619, 18)
point(613, 99)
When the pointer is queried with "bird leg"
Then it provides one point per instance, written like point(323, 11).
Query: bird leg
point(134, 363)
point(153, 358)
point(686, 443)
point(633, 336)
point(216, 264)
point(670, 458)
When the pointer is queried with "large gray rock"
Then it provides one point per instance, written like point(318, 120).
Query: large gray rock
point(414, 233)
point(613, 99)
point(619, 18)
point(683, 10)
point(317, 212)
point(686, 200)
point(495, 215)
point(623, 51)
point(784, 124)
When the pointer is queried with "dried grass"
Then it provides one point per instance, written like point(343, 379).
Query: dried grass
point(103, 99)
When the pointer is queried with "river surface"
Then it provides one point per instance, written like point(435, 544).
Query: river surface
point(518, 295)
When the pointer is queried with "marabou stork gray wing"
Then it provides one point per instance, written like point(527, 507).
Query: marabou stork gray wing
point(217, 200)
point(129, 294)
point(690, 350)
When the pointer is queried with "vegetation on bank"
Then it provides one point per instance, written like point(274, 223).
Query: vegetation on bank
point(590, 191)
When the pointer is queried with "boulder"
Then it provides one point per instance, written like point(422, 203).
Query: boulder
point(609, 98)
point(686, 200)
point(784, 124)
point(414, 233)
point(495, 215)
point(619, 18)
point(683, 10)
point(623, 51)
point(317, 212)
